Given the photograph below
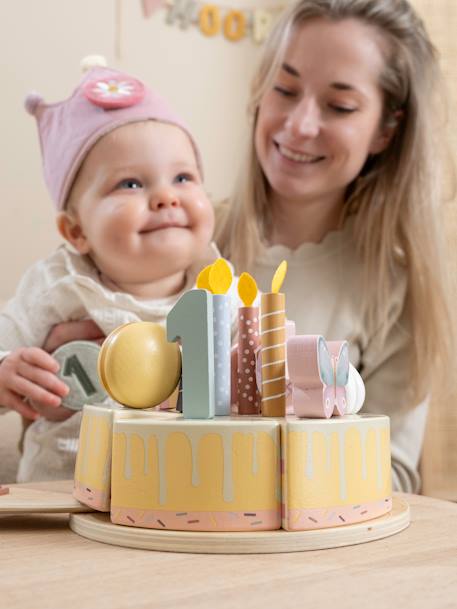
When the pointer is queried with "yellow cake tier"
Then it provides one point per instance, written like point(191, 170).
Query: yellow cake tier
point(221, 474)
point(335, 471)
point(233, 473)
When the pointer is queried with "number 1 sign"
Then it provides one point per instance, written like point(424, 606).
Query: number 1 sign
point(191, 321)
point(78, 365)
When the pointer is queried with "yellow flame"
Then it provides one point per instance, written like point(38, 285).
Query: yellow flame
point(220, 276)
point(278, 277)
point(247, 289)
point(203, 279)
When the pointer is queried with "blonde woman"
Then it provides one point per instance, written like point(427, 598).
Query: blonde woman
point(342, 181)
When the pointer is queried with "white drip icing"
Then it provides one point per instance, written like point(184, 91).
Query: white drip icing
point(107, 470)
point(275, 435)
point(107, 465)
point(128, 460)
point(194, 436)
point(228, 470)
point(194, 453)
point(343, 486)
point(161, 465)
point(328, 445)
point(86, 459)
point(363, 448)
point(309, 463)
point(378, 459)
point(255, 464)
point(146, 456)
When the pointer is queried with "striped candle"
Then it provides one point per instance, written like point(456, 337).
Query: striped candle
point(273, 350)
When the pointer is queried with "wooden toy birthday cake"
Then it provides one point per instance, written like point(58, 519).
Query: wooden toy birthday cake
point(296, 455)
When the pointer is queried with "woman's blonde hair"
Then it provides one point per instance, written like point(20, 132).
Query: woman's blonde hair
point(396, 198)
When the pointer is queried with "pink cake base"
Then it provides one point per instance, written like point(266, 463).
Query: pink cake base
point(318, 518)
point(93, 498)
point(261, 520)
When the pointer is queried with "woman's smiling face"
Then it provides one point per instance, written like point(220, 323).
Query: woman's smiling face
point(322, 116)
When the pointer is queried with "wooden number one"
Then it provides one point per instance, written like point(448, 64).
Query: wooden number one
point(74, 367)
point(191, 321)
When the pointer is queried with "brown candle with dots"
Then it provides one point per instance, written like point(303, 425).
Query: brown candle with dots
point(248, 342)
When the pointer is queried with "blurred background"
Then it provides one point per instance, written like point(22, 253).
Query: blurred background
point(206, 79)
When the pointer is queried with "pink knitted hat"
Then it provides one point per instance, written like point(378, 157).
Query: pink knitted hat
point(104, 99)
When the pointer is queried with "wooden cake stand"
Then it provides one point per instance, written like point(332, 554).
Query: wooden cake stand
point(57, 497)
point(97, 526)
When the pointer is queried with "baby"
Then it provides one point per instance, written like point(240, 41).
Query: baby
point(126, 179)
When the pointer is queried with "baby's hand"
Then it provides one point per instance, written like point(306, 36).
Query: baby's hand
point(30, 373)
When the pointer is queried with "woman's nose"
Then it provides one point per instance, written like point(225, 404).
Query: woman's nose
point(163, 199)
point(304, 119)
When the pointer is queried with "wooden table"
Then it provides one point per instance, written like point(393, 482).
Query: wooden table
point(45, 565)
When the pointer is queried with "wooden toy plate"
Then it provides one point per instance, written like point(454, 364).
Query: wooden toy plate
point(97, 526)
point(46, 497)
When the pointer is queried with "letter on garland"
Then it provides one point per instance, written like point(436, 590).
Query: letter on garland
point(210, 20)
point(235, 26)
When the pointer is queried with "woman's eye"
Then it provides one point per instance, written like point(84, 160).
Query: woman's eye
point(282, 91)
point(130, 184)
point(342, 109)
point(183, 178)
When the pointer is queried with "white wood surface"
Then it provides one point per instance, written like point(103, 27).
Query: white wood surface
point(44, 565)
point(99, 528)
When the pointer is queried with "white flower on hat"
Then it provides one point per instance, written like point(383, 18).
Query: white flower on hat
point(113, 88)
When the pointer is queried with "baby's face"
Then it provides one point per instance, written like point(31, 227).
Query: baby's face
point(141, 205)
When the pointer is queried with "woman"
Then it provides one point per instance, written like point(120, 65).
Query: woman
point(342, 181)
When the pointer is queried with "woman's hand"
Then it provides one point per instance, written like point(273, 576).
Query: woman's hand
point(68, 331)
point(29, 373)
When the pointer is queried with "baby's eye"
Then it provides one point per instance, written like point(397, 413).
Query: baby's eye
point(183, 178)
point(130, 184)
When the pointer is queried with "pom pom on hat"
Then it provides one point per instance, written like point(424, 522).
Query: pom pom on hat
point(32, 101)
point(92, 61)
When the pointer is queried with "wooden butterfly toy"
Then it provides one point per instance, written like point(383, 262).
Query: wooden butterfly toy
point(319, 373)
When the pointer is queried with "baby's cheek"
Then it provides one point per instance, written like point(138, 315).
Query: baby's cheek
point(124, 221)
point(205, 214)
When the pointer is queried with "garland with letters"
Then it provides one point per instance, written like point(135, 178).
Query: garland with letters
point(213, 19)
